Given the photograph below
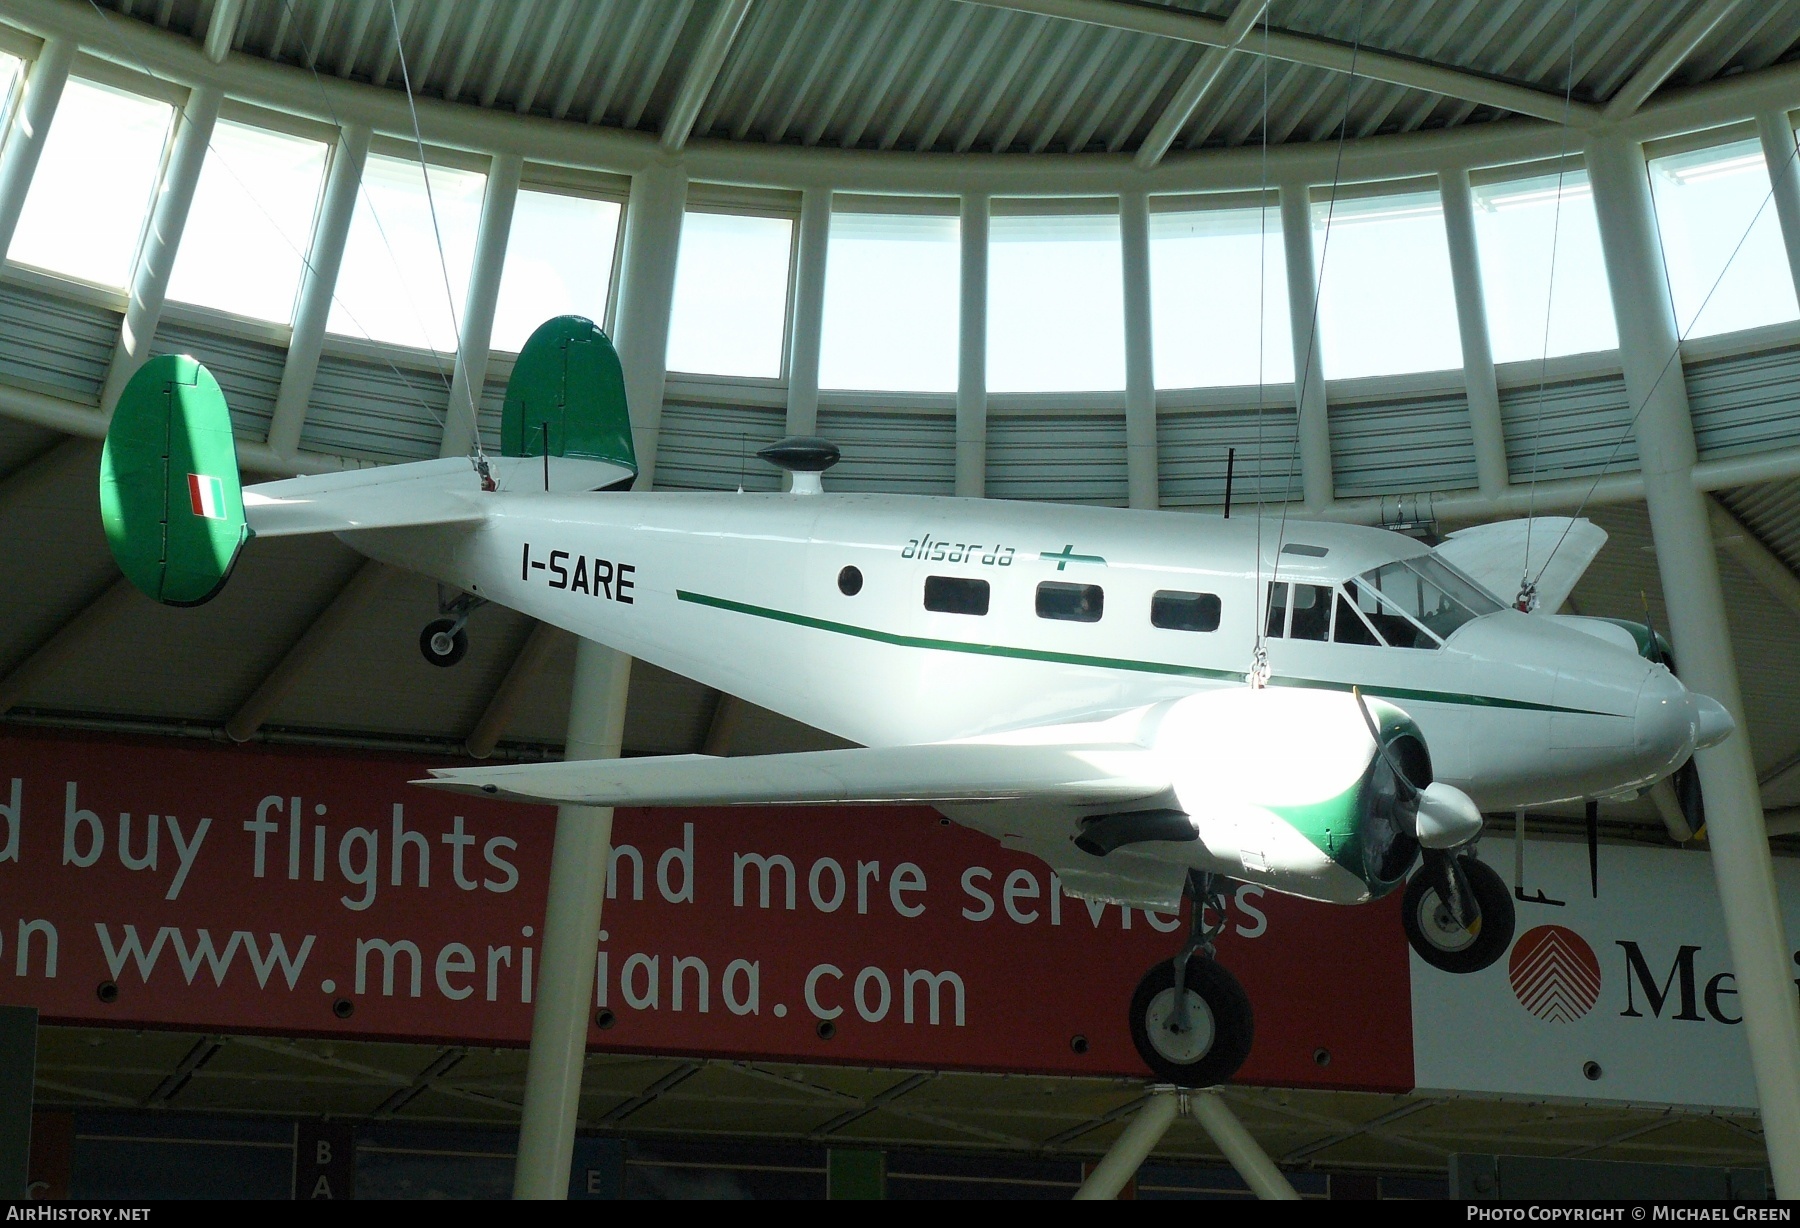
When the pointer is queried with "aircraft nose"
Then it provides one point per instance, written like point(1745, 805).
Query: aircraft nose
point(1673, 721)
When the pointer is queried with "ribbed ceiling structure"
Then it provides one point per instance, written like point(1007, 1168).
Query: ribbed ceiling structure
point(1006, 75)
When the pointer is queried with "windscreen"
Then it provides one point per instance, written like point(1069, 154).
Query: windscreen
point(1429, 594)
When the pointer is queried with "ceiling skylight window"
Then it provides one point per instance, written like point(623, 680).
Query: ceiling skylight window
point(94, 184)
point(1533, 309)
point(1056, 304)
point(1386, 305)
point(559, 261)
point(1722, 278)
point(1210, 269)
point(251, 223)
point(891, 303)
point(731, 293)
point(390, 286)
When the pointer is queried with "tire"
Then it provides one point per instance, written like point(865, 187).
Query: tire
point(1436, 936)
point(1215, 1049)
point(459, 643)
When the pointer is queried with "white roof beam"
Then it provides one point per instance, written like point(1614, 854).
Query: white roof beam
point(221, 28)
point(1668, 57)
point(1192, 91)
point(703, 71)
point(1318, 52)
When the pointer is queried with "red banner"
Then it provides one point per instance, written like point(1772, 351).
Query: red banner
point(255, 889)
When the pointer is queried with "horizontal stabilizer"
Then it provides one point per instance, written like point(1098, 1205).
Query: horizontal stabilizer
point(1494, 555)
point(1099, 774)
point(444, 491)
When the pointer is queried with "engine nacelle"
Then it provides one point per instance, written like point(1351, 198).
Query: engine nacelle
point(1291, 783)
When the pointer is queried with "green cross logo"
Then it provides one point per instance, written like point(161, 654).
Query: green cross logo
point(1067, 555)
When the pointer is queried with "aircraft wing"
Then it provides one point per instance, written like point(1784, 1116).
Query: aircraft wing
point(1494, 555)
point(446, 491)
point(1070, 774)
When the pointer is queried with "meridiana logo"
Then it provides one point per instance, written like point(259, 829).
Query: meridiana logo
point(207, 496)
point(1554, 973)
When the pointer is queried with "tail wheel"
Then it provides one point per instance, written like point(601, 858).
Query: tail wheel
point(1220, 1024)
point(443, 643)
point(1434, 931)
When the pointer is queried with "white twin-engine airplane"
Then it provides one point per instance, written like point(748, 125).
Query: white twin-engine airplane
point(1152, 704)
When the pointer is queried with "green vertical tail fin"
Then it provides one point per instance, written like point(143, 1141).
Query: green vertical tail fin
point(567, 396)
point(169, 494)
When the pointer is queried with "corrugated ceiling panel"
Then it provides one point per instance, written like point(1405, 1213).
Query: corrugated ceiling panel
point(1745, 403)
point(1057, 458)
point(1398, 447)
point(56, 345)
point(891, 453)
point(363, 408)
point(1771, 510)
point(713, 447)
point(1571, 428)
point(1192, 448)
point(249, 372)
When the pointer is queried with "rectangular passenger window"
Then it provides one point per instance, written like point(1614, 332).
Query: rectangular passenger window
point(1278, 596)
point(1177, 611)
point(955, 595)
point(1312, 612)
point(1072, 603)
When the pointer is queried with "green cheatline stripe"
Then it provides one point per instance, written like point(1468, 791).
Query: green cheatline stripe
point(1125, 663)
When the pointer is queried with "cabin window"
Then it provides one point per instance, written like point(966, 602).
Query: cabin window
point(850, 581)
point(1311, 610)
point(1071, 603)
point(1349, 628)
point(956, 595)
point(1177, 611)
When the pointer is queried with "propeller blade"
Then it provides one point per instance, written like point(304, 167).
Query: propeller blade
point(1593, 835)
point(1687, 792)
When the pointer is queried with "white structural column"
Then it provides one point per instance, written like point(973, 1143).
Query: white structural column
point(317, 283)
point(1309, 364)
point(971, 367)
point(472, 348)
point(809, 312)
point(1777, 133)
point(565, 991)
point(1690, 574)
point(1491, 472)
point(1131, 1148)
point(1245, 1153)
point(1140, 364)
point(162, 238)
point(646, 294)
point(44, 83)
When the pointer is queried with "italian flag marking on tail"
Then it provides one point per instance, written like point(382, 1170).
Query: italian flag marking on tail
point(207, 495)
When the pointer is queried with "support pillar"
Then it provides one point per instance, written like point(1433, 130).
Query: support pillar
point(1246, 1155)
point(1777, 133)
point(646, 295)
point(809, 312)
point(565, 991)
point(971, 378)
point(162, 239)
point(469, 375)
point(44, 83)
point(1696, 605)
point(1131, 1148)
point(1309, 364)
point(317, 283)
point(1140, 357)
point(1491, 470)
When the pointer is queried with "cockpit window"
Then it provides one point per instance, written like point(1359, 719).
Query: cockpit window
point(1350, 628)
point(1389, 618)
point(1428, 593)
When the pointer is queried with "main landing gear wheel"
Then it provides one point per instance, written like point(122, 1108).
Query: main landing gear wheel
point(1217, 1036)
point(1432, 926)
point(443, 642)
